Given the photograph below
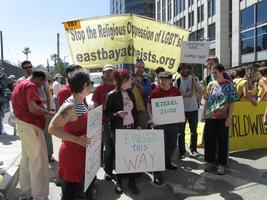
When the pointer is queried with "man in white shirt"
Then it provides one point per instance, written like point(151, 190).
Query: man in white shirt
point(56, 87)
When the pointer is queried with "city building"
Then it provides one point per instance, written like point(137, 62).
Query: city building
point(139, 7)
point(236, 30)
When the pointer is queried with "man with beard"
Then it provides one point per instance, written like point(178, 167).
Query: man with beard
point(189, 87)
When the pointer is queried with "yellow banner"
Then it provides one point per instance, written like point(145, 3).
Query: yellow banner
point(247, 130)
point(121, 39)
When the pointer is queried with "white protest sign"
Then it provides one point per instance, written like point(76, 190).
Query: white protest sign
point(194, 52)
point(139, 151)
point(168, 110)
point(93, 151)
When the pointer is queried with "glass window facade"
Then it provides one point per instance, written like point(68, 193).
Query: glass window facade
point(247, 17)
point(247, 42)
point(181, 6)
point(191, 19)
point(200, 13)
point(169, 9)
point(212, 32)
point(262, 38)
point(211, 8)
point(158, 9)
point(190, 3)
point(164, 10)
point(262, 12)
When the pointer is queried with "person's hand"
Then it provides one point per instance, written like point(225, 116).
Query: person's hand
point(121, 113)
point(202, 119)
point(189, 94)
point(139, 128)
point(228, 122)
point(51, 113)
point(83, 140)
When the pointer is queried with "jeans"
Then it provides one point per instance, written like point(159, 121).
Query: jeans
point(170, 140)
point(192, 118)
point(108, 148)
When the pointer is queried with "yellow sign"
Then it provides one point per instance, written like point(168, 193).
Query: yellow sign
point(247, 130)
point(121, 39)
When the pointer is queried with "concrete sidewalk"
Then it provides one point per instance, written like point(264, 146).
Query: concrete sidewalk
point(10, 155)
point(245, 178)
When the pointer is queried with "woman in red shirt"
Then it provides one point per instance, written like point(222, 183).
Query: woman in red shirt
point(70, 125)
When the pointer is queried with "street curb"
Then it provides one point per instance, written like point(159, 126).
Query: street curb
point(10, 179)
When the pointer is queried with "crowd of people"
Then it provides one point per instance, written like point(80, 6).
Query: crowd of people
point(44, 107)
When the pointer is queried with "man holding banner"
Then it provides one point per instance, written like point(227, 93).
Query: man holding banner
point(99, 98)
point(141, 90)
point(164, 90)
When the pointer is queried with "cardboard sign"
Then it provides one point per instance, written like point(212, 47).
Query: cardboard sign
point(139, 151)
point(93, 151)
point(168, 110)
point(194, 52)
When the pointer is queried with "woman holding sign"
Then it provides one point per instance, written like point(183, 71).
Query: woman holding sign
point(121, 109)
point(70, 125)
point(165, 89)
point(220, 96)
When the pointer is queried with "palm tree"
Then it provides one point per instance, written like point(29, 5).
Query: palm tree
point(26, 51)
point(54, 58)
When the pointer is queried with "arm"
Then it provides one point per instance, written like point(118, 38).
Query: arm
point(247, 96)
point(37, 110)
point(197, 87)
point(265, 91)
point(229, 117)
point(149, 110)
point(65, 114)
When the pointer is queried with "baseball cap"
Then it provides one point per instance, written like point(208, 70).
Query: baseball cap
point(165, 74)
point(58, 75)
point(108, 67)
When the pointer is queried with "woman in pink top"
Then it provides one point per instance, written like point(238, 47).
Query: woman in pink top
point(121, 109)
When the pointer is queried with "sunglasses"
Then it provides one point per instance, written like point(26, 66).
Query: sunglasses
point(90, 83)
point(27, 67)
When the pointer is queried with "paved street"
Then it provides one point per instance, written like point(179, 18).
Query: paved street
point(244, 179)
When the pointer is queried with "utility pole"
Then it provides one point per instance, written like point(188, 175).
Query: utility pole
point(2, 49)
point(58, 56)
point(47, 65)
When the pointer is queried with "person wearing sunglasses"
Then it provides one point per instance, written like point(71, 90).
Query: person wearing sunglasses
point(70, 125)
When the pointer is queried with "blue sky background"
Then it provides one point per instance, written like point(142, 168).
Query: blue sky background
point(35, 24)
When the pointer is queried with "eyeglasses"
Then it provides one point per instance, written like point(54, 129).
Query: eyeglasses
point(90, 83)
point(27, 67)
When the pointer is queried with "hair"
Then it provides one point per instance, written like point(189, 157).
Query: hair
point(240, 73)
point(120, 76)
point(263, 71)
point(77, 79)
point(213, 58)
point(182, 65)
point(25, 63)
point(72, 68)
point(38, 74)
point(159, 69)
point(219, 67)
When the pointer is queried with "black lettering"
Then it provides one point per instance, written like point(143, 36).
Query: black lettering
point(79, 57)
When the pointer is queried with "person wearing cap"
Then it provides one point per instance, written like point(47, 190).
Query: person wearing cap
point(262, 85)
point(141, 90)
point(165, 89)
point(99, 98)
point(56, 88)
point(11, 82)
point(189, 87)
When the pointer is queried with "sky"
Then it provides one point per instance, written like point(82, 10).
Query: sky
point(35, 24)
